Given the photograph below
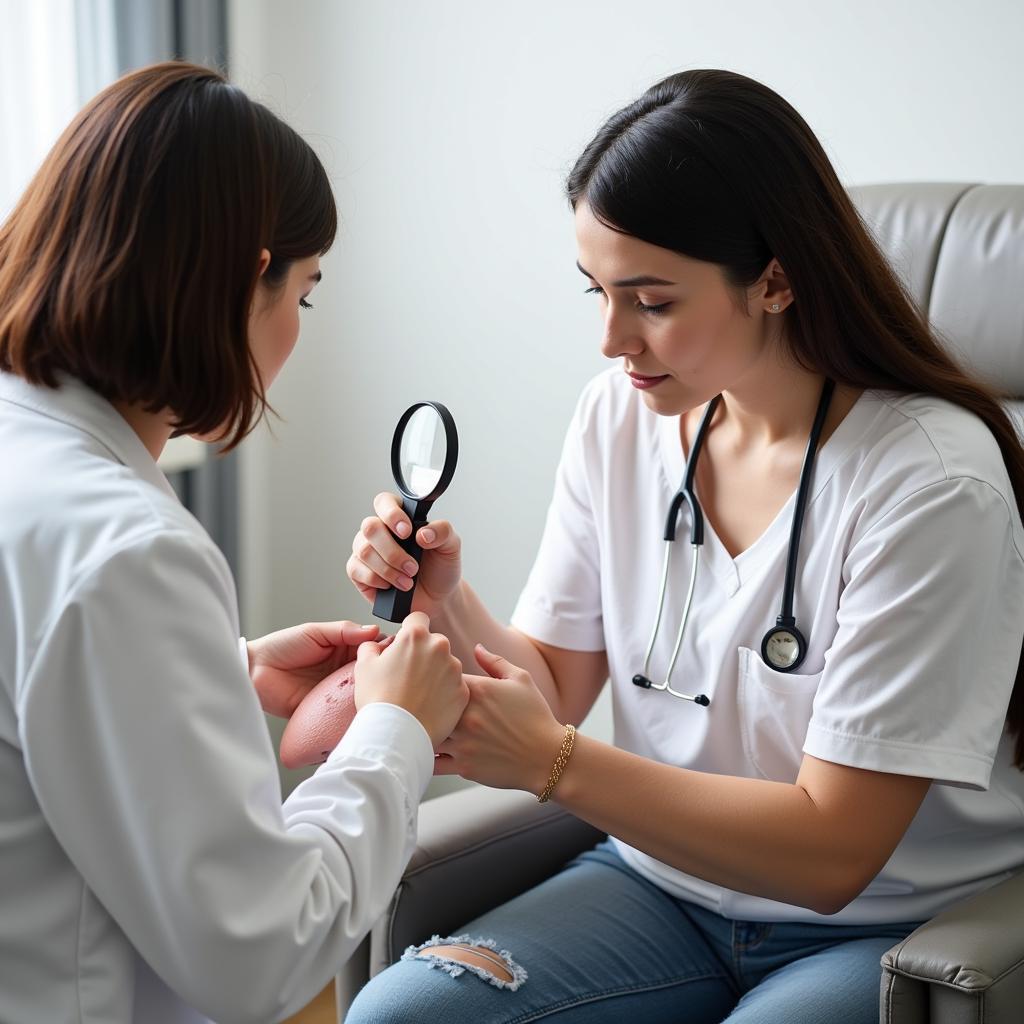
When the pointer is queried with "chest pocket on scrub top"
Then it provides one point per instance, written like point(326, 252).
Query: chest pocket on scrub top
point(774, 710)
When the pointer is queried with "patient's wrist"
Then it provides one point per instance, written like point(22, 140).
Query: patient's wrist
point(447, 613)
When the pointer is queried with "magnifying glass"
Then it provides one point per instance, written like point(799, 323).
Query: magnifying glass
point(424, 452)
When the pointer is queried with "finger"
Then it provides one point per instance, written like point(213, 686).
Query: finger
point(446, 747)
point(383, 645)
point(351, 634)
point(368, 652)
point(416, 624)
point(389, 508)
point(439, 536)
point(378, 551)
point(494, 664)
point(366, 581)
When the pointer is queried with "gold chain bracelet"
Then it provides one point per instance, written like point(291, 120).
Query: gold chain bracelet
point(560, 762)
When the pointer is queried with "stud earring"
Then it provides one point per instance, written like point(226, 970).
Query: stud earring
point(775, 307)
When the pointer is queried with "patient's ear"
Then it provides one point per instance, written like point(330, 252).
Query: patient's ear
point(771, 289)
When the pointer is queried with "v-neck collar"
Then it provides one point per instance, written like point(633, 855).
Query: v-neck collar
point(728, 571)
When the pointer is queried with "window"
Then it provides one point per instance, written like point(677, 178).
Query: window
point(54, 55)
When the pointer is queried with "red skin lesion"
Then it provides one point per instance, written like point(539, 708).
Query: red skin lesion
point(320, 721)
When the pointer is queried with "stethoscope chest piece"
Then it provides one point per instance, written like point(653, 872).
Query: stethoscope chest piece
point(783, 647)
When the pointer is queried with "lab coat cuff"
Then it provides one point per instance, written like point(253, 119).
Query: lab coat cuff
point(395, 737)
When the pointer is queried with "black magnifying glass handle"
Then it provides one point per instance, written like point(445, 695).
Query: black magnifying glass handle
point(391, 603)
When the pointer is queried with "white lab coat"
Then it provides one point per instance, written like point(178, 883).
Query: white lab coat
point(148, 870)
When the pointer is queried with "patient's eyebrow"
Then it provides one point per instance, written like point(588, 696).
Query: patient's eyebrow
point(629, 282)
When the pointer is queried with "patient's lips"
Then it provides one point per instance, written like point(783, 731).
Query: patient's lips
point(320, 720)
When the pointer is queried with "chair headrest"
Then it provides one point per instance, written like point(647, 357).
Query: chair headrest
point(960, 250)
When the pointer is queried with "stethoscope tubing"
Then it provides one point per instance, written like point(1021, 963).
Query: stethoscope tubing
point(806, 472)
point(687, 494)
point(666, 685)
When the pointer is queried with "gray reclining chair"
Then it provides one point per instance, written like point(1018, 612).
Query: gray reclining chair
point(960, 248)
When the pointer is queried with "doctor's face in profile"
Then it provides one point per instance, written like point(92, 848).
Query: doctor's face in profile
point(274, 321)
point(678, 325)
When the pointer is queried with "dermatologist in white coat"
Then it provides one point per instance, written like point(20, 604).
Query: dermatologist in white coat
point(150, 284)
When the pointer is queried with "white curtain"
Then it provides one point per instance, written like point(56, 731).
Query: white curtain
point(54, 55)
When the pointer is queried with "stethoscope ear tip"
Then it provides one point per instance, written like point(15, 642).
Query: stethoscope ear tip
point(641, 680)
point(702, 700)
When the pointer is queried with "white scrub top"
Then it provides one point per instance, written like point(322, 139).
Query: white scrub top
point(148, 871)
point(910, 591)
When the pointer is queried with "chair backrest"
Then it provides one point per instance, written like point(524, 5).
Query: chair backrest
point(960, 249)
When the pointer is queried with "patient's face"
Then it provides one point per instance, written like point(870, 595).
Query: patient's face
point(669, 317)
point(274, 322)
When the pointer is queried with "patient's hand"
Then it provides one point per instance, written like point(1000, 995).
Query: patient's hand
point(507, 737)
point(378, 562)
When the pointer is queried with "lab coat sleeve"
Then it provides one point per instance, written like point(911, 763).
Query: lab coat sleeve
point(561, 602)
point(919, 676)
point(151, 761)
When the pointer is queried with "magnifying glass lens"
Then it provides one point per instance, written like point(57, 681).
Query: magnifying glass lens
point(424, 449)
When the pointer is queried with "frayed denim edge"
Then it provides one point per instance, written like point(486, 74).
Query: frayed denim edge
point(457, 967)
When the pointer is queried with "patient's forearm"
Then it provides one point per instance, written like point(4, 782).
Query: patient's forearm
point(465, 620)
point(764, 838)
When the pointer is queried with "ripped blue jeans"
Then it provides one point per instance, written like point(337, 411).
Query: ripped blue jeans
point(599, 943)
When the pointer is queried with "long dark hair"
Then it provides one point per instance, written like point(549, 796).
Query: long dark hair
point(131, 260)
point(718, 167)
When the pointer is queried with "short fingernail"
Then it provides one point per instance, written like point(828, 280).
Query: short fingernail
point(429, 536)
point(409, 568)
point(402, 529)
point(404, 582)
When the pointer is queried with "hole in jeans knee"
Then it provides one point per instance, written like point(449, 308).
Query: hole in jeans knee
point(459, 954)
point(474, 955)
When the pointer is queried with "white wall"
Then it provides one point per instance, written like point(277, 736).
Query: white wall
point(448, 127)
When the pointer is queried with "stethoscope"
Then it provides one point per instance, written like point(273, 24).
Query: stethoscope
point(784, 647)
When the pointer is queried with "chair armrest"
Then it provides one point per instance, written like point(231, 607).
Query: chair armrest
point(966, 964)
point(477, 848)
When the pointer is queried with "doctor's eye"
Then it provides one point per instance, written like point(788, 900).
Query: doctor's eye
point(594, 290)
point(656, 310)
point(303, 304)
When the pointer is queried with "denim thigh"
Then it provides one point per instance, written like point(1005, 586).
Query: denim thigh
point(809, 973)
point(599, 943)
point(596, 943)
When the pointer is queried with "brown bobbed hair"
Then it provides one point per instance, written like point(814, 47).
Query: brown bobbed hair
point(131, 262)
point(717, 167)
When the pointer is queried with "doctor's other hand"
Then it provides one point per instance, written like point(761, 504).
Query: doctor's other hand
point(284, 666)
point(377, 560)
point(417, 672)
point(507, 737)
